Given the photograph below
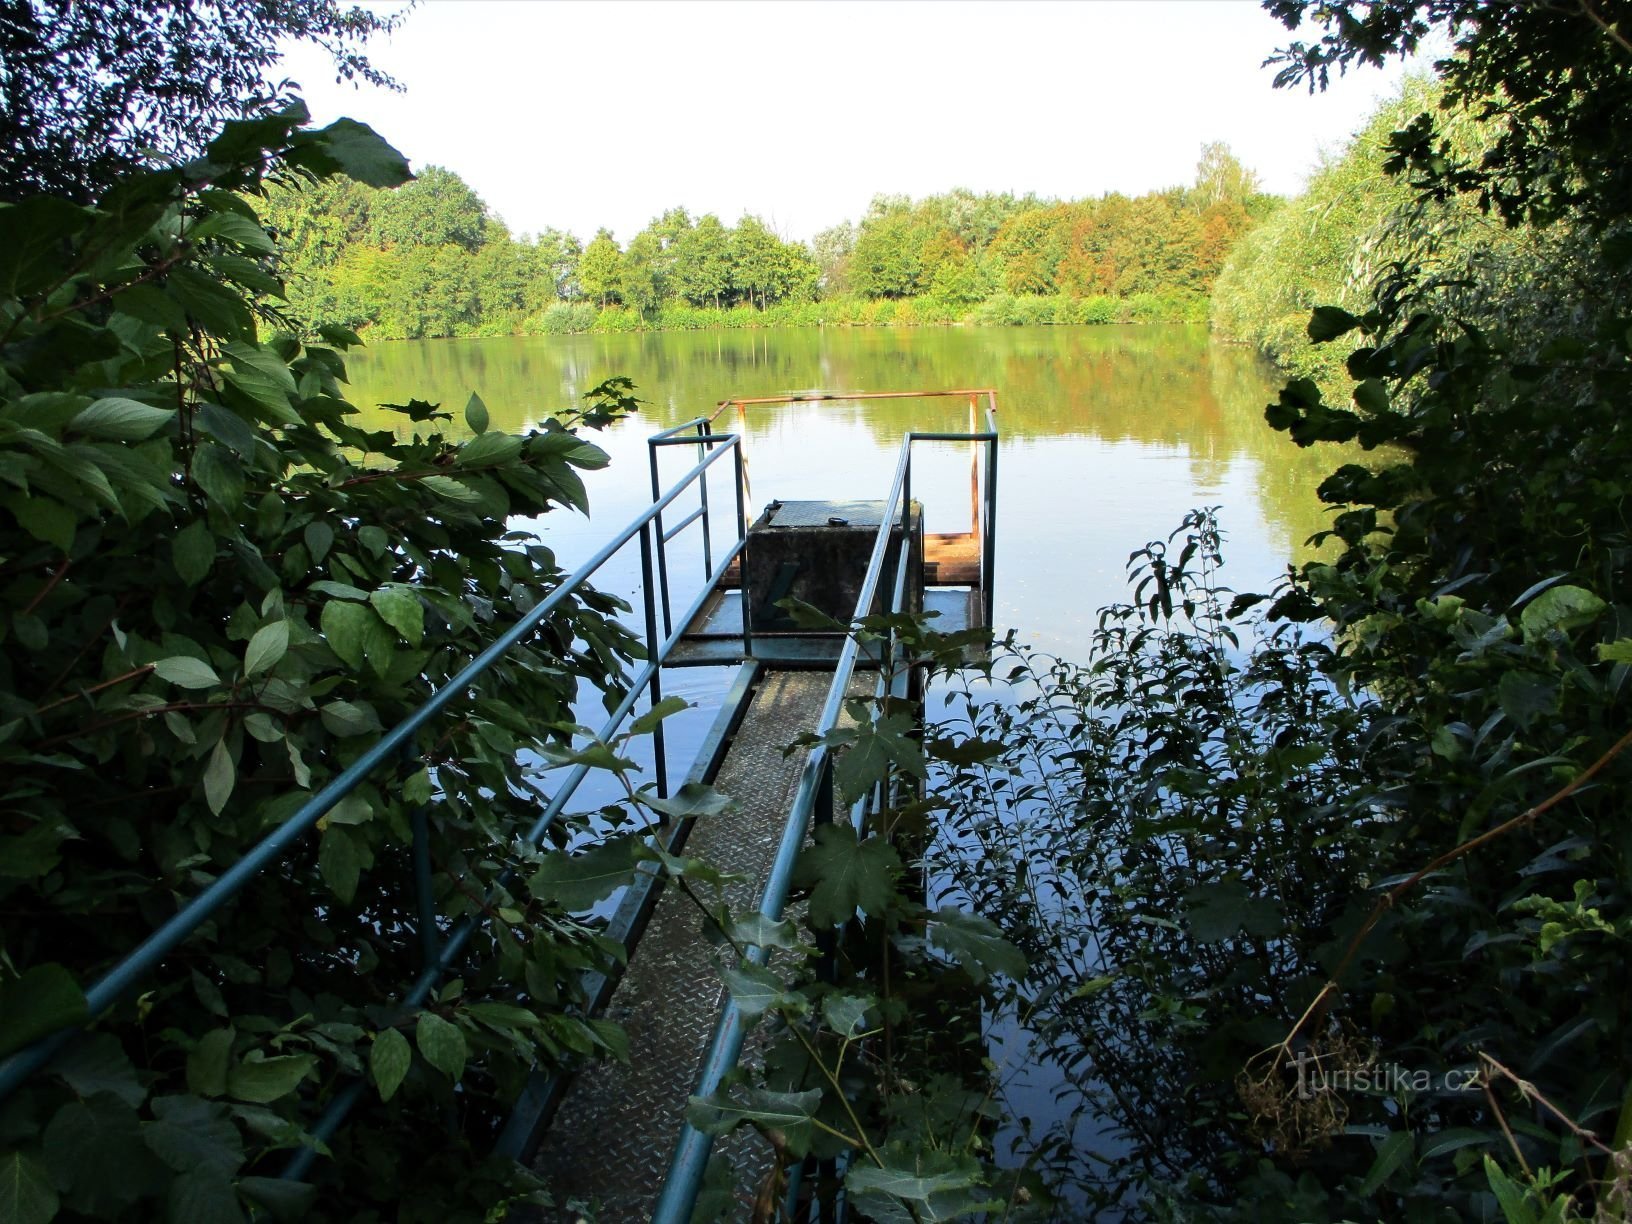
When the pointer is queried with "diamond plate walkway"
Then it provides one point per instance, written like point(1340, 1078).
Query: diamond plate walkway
point(610, 1143)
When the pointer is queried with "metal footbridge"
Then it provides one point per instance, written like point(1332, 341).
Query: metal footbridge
point(614, 1135)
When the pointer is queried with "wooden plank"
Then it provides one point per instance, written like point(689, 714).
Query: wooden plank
point(951, 558)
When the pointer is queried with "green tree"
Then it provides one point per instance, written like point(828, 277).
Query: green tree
point(600, 269)
point(437, 209)
point(557, 254)
point(88, 89)
point(642, 276)
point(702, 262)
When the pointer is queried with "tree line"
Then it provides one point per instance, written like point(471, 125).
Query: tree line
point(431, 259)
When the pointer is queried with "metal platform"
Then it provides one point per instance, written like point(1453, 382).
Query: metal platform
point(611, 1140)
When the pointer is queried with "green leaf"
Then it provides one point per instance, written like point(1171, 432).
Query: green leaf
point(1618, 651)
point(270, 643)
point(876, 747)
point(442, 1044)
point(262, 1080)
point(846, 1015)
point(476, 417)
point(346, 627)
point(1559, 607)
point(691, 800)
point(845, 875)
point(319, 538)
point(44, 999)
point(219, 777)
point(190, 1133)
point(98, 1063)
point(667, 708)
point(1390, 1155)
point(1330, 322)
point(346, 718)
point(121, 420)
point(788, 1113)
point(93, 1149)
point(1216, 911)
point(575, 882)
point(186, 672)
point(389, 1060)
point(203, 1194)
point(193, 552)
point(762, 932)
point(217, 472)
point(338, 860)
point(264, 377)
point(45, 519)
point(352, 148)
point(26, 1193)
point(1441, 1143)
point(489, 449)
point(401, 608)
point(207, 1064)
point(756, 990)
point(977, 945)
point(290, 1202)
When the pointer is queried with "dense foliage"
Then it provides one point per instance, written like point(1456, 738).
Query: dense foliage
point(429, 259)
point(88, 91)
point(215, 590)
point(1333, 924)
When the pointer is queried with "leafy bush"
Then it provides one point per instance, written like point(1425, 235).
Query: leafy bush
point(217, 589)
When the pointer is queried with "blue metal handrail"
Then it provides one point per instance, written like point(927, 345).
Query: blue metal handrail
point(690, 1160)
point(439, 954)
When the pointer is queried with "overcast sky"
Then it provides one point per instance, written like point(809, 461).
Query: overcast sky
point(577, 115)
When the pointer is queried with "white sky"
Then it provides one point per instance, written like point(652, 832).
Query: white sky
point(580, 114)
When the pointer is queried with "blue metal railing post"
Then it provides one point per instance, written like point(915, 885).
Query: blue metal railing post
point(659, 751)
point(704, 429)
point(742, 542)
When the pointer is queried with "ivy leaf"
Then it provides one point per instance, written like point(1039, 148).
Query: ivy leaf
point(977, 945)
point(442, 1044)
point(389, 1060)
point(270, 644)
point(476, 414)
point(26, 1193)
point(577, 881)
point(121, 420)
point(788, 1113)
point(186, 672)
point(44, 999)
point(219, 778)
point(261, 1080)
point(845, 874)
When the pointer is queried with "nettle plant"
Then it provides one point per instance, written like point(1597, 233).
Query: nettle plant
point(216, 589)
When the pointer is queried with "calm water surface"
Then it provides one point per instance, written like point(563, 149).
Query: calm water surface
point(1109, 435)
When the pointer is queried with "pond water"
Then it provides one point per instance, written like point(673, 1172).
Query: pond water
point(1109, 435)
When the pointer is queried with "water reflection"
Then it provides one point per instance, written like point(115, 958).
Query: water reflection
point(1110, 435)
